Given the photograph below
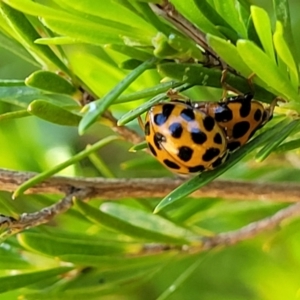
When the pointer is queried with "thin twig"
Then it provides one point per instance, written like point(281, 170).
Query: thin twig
point(127, 133)
point(169, 12)
point(28, 220)
point(118, 188)
point(113, 189)
point(232, 237)
point(251, 230)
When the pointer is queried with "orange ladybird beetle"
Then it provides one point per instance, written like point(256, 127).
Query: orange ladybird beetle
point(183, 138)
point(239, 116)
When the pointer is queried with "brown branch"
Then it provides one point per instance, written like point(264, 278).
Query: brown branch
point(107, 188)
point(251, 230)
point(232, 237)
point(113, 189)
point(127, 133)
point(28, 220)
point(169, 12)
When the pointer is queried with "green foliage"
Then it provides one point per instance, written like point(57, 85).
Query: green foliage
point(64, 64)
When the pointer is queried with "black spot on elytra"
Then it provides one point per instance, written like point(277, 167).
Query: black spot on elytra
point(147, 129)
point(199, 168)
point(187, 114)
point(158, 139)
point(266, 116)
point(152, 149)
point(176, 130)
point(257, 115)
point(231, 146)
point(240, 129)
point(171, 164)
point(209, 123)
point(217, 162)
point(218, 138)
point(185, 153)
point(198, 137)
point(220, 160)
point(245, 109)
point(247, 97)
point(223, 114)
point(160, 119)
point(210, 154)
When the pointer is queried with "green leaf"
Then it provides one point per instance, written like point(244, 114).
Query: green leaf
point(196, 74)
point(138, 147)
point(130, 64)
point(189, 9)
point(134, 222)
point(13, 282)
point(94, 283)
point(285, 54)
point(50, 82)
point(77, 157)
point(22, 96)
point(11, 260)
point(252, 34)
point(98, 11)
point(53, 113)
point(27, 34)
point(115, 261)
point(214, 17)
point(175, 46)
point(51, 245)
point(288, 146)
point(227, 8)
point(152, 91)
point(264, 68)
point(149, 1)
point(16, 48)
point(143, 164)
point(181, 279)
point(35, 9)
point(282, 12)
point(262, 25)
point(204, 178)
point(162, 49)
point(11, 82)
point(146, 106)
point(95, 33)
point(101, 166)
point(96, 108)
point(186, 48)
point(58, 40)
point(129, 51)
point(243, 8)
point(276, 140)
point(14, 115)
point(229, 54)
point(95, 30)
point(230, 35)
point(147, 13)
point(19, 95)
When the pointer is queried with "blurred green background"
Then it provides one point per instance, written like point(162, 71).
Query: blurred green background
point(265, 268)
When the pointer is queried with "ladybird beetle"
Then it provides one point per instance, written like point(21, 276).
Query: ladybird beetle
point(184, 139)
point(239, 116)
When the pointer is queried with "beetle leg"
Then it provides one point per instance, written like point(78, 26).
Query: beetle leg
point(250, 81)
point(174, 95)
point(227, 87)
point(141, 123)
